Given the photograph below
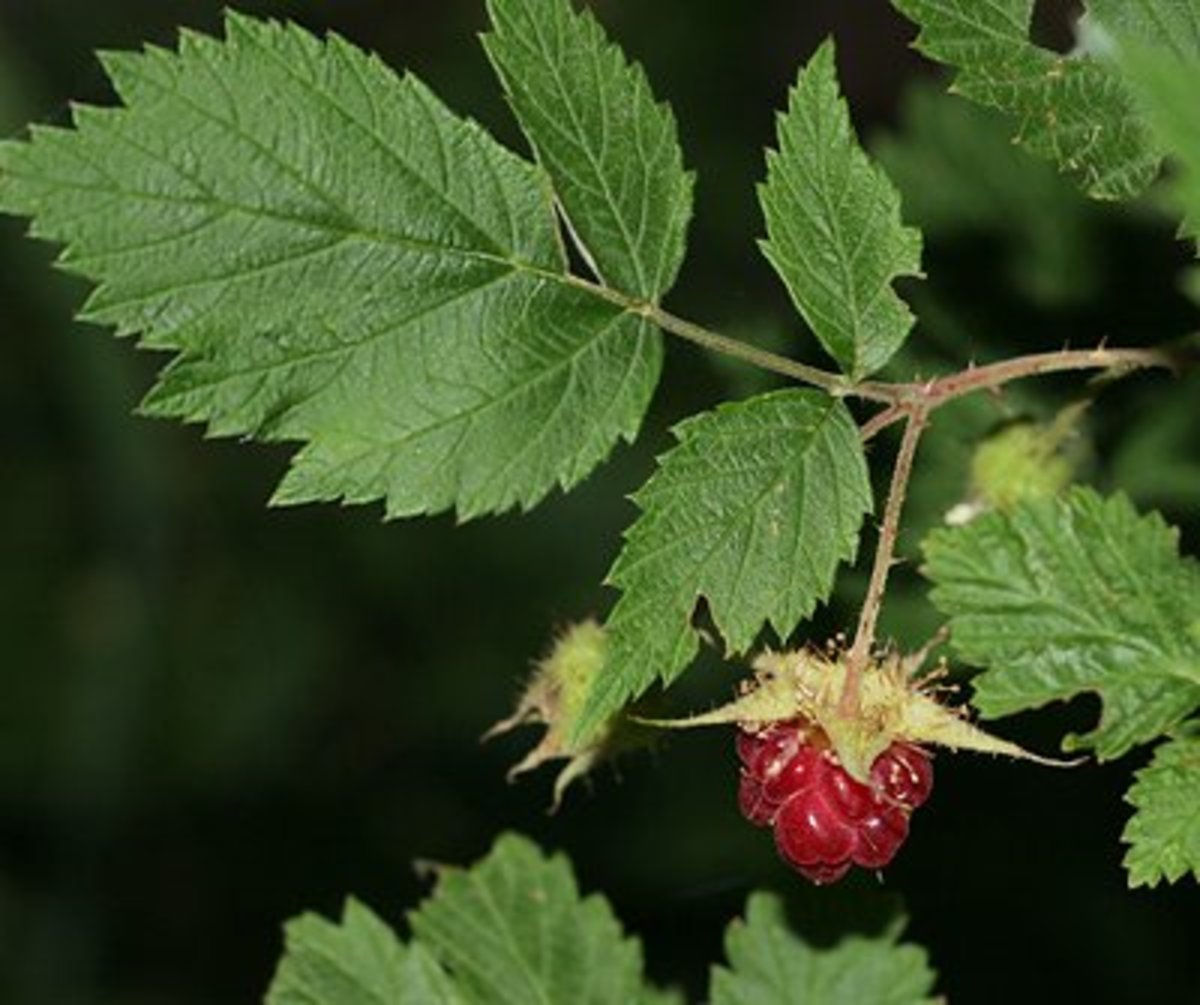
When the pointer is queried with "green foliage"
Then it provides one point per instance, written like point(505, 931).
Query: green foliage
point(1164, 833)
point(1165, 24)
point(1078, 593)
point(610, 150)
point(769, 965)
point(1070, 109)
point(753, 511)
point(1157, 460)
point(1074, 594)
point(833, 226)
point(334, 258)
point(961, 177)
point(1166, 85)
point(339, 260)
point(359, 961)
point(513, 930)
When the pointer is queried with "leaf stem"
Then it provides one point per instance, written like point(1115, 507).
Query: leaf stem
point(935, 393)
point(885, 551)
point(901, 398)
point(834, 383)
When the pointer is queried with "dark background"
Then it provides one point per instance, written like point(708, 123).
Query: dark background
point(216, 715)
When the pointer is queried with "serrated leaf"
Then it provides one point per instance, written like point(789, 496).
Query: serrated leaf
point(1164, 833)
point(1070, 109)
point(513, 930)
point(611, 150)
point(357, 962)
point(1074, 594)
point(338, 260)
point(769, 965)
point(834, 233)
point(753, 511)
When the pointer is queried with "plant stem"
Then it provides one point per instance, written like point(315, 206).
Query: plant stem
point(935, 393)
point(885, 551)
point(834, 383)
point(901, 398)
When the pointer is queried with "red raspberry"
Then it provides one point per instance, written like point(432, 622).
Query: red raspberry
point(904, 773)
point(824, 820)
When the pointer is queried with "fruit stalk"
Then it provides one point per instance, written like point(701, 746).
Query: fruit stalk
point(885, 551)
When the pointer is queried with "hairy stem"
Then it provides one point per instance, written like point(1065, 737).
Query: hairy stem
point(904, 397)
point(834, 383)
point(935, 393)
point(885, 551)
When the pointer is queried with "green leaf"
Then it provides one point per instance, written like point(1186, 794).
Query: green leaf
point(1164, 833)
point(753, 511)
point(359, 962)
point(1166, 85)
point(611, 150)
point(513, 930)
point(833, 226)
point(769, 965)
point(1073, 594)
point(1071, 109)
point(338, 260)
point(1163, 24)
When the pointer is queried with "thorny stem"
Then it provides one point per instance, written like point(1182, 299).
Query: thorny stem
point(914, 401)
point(901, 398)
point(935, 393)
point(864, 637)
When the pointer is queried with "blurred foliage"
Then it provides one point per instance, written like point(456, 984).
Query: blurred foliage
point(216, 715)
point(963, 176)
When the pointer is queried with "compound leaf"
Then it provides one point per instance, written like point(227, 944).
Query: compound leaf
point(1072, 594)
point(769, 965)
point(753, 510)
point(833, 226)
point(1164, 833)
point(1071, 109)
point(611, 150)
point(359, 962)
point(338, 260)
point(513, 930)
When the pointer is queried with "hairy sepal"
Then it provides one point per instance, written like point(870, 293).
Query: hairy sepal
point(554, 697)
point(893, 706)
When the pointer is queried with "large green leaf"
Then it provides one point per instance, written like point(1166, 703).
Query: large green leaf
point(359, 962)
point(753, 511)
point(611, 150)
point(1164, 833)
point(1070, 109)
point(1074, 594)
point(513, 930)
point(338, 260)
point(833, 226)
point(769, 965)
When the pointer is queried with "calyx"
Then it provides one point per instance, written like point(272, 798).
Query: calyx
point(892, 706)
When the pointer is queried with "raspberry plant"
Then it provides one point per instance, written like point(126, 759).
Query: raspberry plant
point(336, 259)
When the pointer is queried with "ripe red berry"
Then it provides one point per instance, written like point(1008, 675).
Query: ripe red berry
point(904, 773)
point(824, 821)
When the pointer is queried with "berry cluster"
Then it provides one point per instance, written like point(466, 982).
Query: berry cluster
point(824, 820)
